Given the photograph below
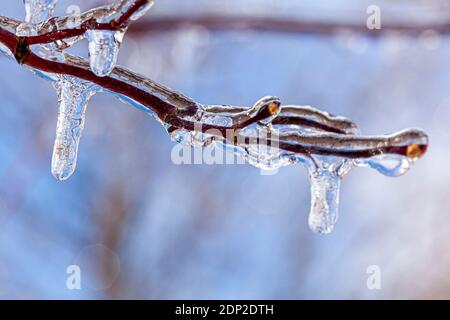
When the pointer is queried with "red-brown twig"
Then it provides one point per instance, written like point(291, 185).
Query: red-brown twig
point(116, 24)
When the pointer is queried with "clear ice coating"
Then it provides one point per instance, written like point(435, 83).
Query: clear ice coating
point(142, 11)
point(73, 97)
point(38, 10)
point(104, 48)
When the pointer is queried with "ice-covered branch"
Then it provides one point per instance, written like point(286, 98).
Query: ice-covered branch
point(115, 17)
point(268, 135)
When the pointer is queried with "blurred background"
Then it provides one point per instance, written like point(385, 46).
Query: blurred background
point(141, 227)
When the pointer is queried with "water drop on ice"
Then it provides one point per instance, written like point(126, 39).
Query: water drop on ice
point(73, 96)
point(104, 48)
point(391, 165)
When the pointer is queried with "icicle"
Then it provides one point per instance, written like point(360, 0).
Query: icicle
point(73, 96)
point(38, 10)
point(325, 186)
point(104, 48)
point(104, 45)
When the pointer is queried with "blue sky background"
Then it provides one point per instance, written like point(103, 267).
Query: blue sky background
point(141, 227)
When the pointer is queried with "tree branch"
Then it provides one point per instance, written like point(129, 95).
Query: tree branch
point(267, 135)
point(177, 111)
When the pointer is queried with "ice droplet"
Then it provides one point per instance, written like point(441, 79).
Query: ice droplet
point(104, 48)
point(391, 165)
point(325, 186)
point(73, 97)
point(38, 10)
point(142, 11)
